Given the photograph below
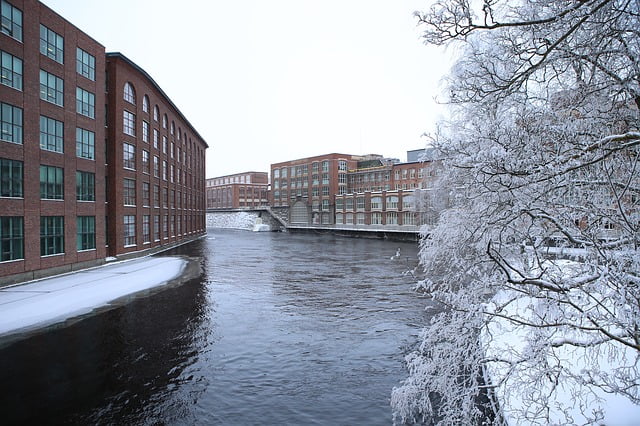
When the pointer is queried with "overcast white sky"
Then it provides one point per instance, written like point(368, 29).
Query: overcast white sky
point(271, 81)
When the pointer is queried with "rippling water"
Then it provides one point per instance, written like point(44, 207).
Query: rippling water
point(279, 329)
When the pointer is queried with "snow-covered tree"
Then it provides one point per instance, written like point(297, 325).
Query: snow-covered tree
point(536, 262)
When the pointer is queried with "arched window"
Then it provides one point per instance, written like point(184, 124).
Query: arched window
point(129, 94)
point(173, 128)
point(145, 103)
point(179, 133)
point(156, 112)
point(164, 121)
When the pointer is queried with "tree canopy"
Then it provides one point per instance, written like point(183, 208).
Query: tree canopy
point(536, 258)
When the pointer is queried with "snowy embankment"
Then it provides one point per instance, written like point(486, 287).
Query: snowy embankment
point(40, 303)
point(232, 220)
point(579, 368)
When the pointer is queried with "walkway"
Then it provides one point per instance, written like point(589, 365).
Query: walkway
point(36, 304)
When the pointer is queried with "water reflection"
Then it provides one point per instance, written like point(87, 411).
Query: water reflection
point(279, 329)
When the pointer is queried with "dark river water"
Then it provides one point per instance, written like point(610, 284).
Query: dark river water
point(282, 329)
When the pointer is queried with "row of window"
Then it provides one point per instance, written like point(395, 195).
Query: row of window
point(51, 43)
point(51, 182)
point(51, 236)
point(391, 203)
point(303, 170)
point(408, 218)
point(170, 197)
point(52, 233)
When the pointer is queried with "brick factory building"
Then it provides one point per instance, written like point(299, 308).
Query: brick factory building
point(54, 177)
point(156, 164)
point(237, 191)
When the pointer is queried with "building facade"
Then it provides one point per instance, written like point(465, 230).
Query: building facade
point(308, 186)
point(156, 164)
point(60, 156)
point(52, 176)
point(237, 191)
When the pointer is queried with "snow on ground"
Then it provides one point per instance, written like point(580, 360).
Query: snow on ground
point(233, 220)
point(509, 340)
point(52, 300)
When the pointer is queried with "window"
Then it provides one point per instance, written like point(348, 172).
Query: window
point(51, 44)
point(51, 138)
point(392, 218)
point(86, 233)
point(376, 203)
point(129, 156)
point(85, 103)
point(129, 230)
point(11, 71)
point(339, 219)
point(392, 202)
point(173, 128)
point(339, 204)
point(349, 204)
point(360, 203)
point(11, 123)
point(145, 103)
point(129, 192)
point(85, 186)
point(325, 178)
point(164, 121)
point(164, 170)
point(325, 191)
point(85, 64)
point(349, 218)
point(156, 113)
point(408, 218)
point(146, 194)
point(276, 173)
point(11, 178)
point(156, 228)
point(85, 144)
point(325, 166)
point(325, 205)
point(11, 238)
point(360, 218)
point(145, 131)
point(165, 197)
point(128, 123)
point(156, 196)
point(146, 229)
point(408, 202)
point(51, 235)
point(51, 88)
point(156, 166)
point(145, 162)
point(376, 218)
point(342, 166)
point(51, 183)
point(165, 226)
point(164, 144)
point(11, 21)
point(129, 94)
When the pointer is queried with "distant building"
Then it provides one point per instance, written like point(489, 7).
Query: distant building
point(237, 191)
point(64, 204)
point(347, 189)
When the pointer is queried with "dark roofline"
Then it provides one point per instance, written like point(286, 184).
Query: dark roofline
point(157, 86)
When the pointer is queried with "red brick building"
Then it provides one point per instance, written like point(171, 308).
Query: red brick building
point(54, 212)
point(309, 185)
point(52, 193)
point(156, 164)
point(241, 190)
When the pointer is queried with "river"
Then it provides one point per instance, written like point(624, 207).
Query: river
point(286, 329)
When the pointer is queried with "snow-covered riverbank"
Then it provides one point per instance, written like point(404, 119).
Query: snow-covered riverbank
point(44, 302)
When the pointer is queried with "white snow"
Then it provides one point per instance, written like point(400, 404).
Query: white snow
point(232, 220)
point(508, 340)
point(52, 300)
